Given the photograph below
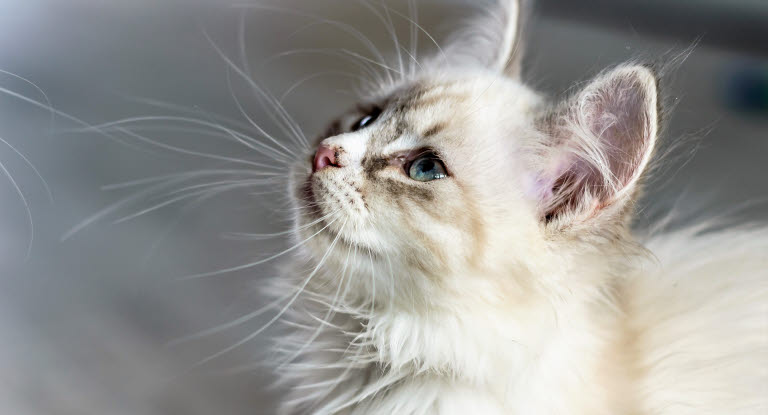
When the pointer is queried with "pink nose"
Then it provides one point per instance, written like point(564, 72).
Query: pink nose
point(324, 157)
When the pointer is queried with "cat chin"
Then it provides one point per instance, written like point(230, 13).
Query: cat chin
point(323, 237)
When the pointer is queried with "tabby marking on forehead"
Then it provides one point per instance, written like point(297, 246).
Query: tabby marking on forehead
point(423, 97)
point(435, 129)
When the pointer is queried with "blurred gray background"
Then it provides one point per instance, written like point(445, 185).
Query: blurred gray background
point(85, 322)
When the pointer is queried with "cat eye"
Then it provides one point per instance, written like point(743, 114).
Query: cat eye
point(427, 168)
point(367, 119)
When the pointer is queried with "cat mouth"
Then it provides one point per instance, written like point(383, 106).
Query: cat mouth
point(315, 214)
point(324, 227)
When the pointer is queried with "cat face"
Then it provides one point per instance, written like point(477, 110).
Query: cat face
point(463, 170)
point(421, 175)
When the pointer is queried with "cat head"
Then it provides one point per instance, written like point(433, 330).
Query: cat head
point(461, 169)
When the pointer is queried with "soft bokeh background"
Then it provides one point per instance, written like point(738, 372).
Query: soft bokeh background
point(85, 322)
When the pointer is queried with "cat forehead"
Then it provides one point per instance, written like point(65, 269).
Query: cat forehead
point(457, 94)
point(428, 108)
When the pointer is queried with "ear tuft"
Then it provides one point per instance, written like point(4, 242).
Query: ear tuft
point(599, 144)
point(491, 41)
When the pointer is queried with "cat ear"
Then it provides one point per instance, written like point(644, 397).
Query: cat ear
point(598, 145)
point(491, 40)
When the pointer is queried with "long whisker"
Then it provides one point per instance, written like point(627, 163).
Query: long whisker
point(396, 41)
point(262, 236)
point(373, 282)
point(359, 56)
point(413, 11)
point(250, 120)
point(57, 112)
point(377, 55)
point(256, 263)
point(327, 316)
point(222, 183)
point(423, 30)
point(31, 166)
point(241, 40)
point(414, 61)
point(279, 109)
point(191, 152)
point(313, 76)
point(280, 313)
point(179, 129)
point(231, 324)
point(30, 221)
point(349, 366)
point(245, 318)
point(238, 137)
point(185, 176)
point(40, 90)
point(109, 210)
point(217, 190)
point(391, 280)
point(172, 225)
point(367, 42)
point(130, 199)
point(386, 19)
point(186, 110)
point(362, 64)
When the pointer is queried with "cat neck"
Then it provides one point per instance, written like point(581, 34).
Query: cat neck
point(476, 326)
point(521, 343)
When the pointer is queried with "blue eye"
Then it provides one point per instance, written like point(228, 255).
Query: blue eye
point(427, 168)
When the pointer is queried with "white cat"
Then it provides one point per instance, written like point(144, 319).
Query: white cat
point(467, 251)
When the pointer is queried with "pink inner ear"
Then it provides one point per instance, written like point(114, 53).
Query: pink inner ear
point(603, 140)
point(623, 128)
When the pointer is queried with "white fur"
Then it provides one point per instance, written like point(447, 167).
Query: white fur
point(568, 314)
point(702, 319)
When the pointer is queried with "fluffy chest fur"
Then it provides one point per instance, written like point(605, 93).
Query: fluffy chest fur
point(675, 337)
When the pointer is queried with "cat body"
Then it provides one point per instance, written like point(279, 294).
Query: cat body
point(465, 248)
point(685, 335)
